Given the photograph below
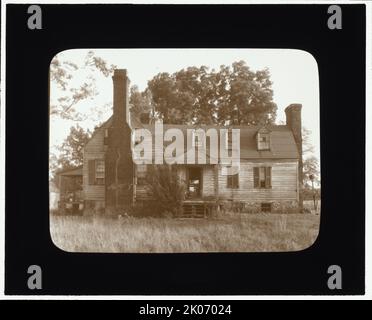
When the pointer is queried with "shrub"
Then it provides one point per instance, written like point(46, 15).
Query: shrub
point(167, 189)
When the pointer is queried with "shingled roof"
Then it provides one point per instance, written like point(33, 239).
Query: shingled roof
point(78, 171)
point(282, 146)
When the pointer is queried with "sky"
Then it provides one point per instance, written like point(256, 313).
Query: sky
point(294, 74)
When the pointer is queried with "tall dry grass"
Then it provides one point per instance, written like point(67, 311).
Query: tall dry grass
point(242, 233)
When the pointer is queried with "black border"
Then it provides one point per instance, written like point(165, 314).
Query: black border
point(341, 60)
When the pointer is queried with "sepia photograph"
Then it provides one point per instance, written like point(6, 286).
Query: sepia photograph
point(184, 150)
point(149, 157)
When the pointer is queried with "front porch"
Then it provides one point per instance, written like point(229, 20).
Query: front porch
point(200, 200)
point(198, 208)
point(71, 191)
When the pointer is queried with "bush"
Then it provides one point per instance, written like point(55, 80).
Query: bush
point(167, 189)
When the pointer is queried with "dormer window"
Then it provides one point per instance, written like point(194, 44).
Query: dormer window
point(263, 142)
point(263, 139)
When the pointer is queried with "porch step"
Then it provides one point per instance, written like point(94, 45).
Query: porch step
point(193, 210)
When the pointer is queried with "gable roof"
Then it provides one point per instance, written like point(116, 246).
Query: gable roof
point(78, 171)
point(264, 129)
point(282, 142)
point(135, 123)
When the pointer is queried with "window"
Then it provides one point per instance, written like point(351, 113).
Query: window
point(141, 174)
point(266, 207)
point(263, 141)
point(262, 177)
point(96, 171)
point(229, 140)
point(233, 181)
point(100, 172)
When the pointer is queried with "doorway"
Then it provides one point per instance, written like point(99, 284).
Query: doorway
point(194, 185)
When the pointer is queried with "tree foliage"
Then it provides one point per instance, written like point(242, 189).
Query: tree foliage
point(70, 151)
point(311, 167)
point(62, 75)
point(310, 162)
point(140, 102)
point(203, 96)
point(249, 94)
point(166, 187)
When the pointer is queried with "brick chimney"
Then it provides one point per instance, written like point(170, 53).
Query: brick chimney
point(293, 121)
point(120, 101)
point(119, 165)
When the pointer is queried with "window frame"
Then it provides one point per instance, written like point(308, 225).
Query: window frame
point(228, 140)
point(259, 177)
point(232, 181)
point(266, 207)
point(99, 174)
point(263, 145)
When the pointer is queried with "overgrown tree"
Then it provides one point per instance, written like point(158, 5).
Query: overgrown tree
point(62, 75)
point(167, 188)
point(140, 102)
point(70, 151)
point(311, 168)
point(203, 96)
point(310, 161)
point(247, 96)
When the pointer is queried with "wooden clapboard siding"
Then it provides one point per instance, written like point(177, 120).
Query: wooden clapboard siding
point(142, 193)
point(208, 181)
point(284, 182)
point(93, 150)
point(284, 175)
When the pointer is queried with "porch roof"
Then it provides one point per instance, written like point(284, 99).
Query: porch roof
point(72, 172)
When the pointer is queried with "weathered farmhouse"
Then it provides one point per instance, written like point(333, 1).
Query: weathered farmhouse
point(269, 177)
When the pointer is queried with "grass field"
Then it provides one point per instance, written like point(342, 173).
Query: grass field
point(309, 204)
point(242, 233)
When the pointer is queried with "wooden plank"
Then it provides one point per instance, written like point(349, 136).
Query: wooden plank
point(284, 183)
point(93, 150)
